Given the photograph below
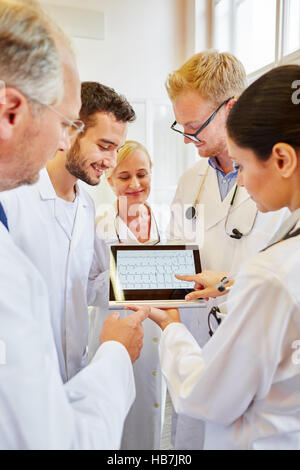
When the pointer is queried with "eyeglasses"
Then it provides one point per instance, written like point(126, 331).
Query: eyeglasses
point(74, 127)
point(213, 320)
point(193, 137)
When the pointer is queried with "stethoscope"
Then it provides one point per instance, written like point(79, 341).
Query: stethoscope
point(191, 212)
point(155, 242)
point(235, 232)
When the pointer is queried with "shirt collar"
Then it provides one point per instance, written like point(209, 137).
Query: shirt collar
point(46, 187)
point(287, 225)
point(213, 162)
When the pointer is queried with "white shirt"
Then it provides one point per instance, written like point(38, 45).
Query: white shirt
point(37, 410)
point(69, 210)
point(245, 382)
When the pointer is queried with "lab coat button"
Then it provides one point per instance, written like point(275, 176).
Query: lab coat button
point(156, 405)
point(154, 373)
point(155, 340)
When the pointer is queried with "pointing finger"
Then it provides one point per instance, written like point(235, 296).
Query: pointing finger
point(188, 278)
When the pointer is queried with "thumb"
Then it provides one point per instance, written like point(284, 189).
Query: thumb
point(142, 314)
point(114, 316)
point(198, 294)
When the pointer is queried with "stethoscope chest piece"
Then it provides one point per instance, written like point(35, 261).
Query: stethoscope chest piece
point(190, 213)
point(236, 234)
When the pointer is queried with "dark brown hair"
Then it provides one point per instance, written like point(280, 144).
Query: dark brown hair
point(97, 98)
point(268, 112)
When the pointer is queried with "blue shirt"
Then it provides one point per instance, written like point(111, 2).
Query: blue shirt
point(226, 182)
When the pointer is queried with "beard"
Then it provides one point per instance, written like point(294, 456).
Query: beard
point(77, 165)
point(213, 150)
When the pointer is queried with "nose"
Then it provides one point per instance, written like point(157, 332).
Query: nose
point(134, 182)
point(110, 160)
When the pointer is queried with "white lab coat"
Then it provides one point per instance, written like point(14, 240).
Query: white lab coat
point(143, 425)
point(245, 382)
point(37, 410)
point(38, 228)
point(218, 252)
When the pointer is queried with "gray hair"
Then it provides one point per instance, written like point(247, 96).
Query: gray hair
point(29, 59)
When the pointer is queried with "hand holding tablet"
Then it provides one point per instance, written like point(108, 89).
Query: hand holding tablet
point(161, 317)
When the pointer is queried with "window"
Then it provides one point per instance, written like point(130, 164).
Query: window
point(223, 25)
point(255, 33)
point(262, 34)
point(292, 26)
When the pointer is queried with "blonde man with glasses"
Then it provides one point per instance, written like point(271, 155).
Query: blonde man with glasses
point(202, 92)
point(39, 105)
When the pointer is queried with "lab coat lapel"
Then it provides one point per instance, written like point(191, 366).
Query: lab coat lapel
point(154, 230)
point(213, 199)
point(285, 228)
point(214, 209)
point(242, 214)
point(47, 193)
point(80, 220)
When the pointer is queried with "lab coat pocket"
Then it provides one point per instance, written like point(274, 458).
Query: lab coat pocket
point(98, 290)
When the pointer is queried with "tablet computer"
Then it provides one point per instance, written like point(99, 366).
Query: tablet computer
point(146, 275)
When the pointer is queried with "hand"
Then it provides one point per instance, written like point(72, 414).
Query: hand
point(161, 317)
point(206, 284)
point(127, 331)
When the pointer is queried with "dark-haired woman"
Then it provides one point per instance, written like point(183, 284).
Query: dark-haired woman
point(246, 381)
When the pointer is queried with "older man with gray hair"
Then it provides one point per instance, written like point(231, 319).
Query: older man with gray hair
point(39, 105)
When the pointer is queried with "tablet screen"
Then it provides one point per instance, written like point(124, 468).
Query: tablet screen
point(141, 273)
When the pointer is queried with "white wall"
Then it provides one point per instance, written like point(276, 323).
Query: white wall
point(144, 41)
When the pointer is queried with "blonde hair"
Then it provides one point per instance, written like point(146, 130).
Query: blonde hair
point(129, 147)
point(215, 76)
point(29, 59)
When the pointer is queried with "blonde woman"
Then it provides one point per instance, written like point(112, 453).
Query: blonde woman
point(130, 220)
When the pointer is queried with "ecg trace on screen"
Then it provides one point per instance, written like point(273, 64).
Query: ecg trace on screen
point(154, 269)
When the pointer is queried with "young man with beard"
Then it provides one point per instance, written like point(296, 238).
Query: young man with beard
point(53, 221)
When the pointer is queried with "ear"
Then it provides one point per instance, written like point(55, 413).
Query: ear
point(230, 105)
point(110, 182)
point(285, 159)
point(12, 109)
